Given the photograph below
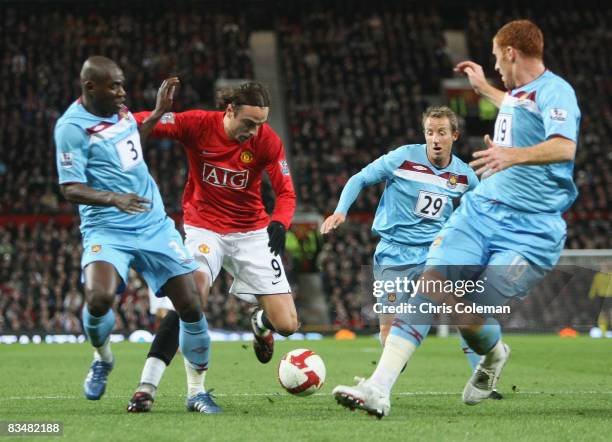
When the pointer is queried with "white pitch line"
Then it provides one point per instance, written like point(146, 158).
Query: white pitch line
point(283, 395)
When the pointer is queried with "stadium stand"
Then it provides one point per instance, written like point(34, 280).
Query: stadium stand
point(356, 82)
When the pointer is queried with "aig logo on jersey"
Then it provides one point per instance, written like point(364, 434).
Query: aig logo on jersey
point(220, 177)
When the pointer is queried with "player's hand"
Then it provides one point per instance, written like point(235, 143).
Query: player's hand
point(332, 222)
point(493, 159)
point(130, 203)
point(165, 95)
point(276, 233)
point(474, 73)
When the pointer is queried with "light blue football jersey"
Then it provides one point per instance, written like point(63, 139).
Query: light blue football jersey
point(418, 197)
point(105, 154)
point(530, 115)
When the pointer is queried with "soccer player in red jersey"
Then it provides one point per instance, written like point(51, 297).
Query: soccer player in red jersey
point(226, 224)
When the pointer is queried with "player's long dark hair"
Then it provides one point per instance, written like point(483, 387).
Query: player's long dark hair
point(249, 94)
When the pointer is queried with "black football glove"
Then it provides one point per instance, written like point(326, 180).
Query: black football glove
point(276, 233)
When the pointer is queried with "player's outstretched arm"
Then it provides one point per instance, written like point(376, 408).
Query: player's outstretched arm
point(165, 97)
point(495, 158)
point(79, 193)
point(479, 83)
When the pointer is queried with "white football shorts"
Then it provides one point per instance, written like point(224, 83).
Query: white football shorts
point(245, 255)
point(155, 303)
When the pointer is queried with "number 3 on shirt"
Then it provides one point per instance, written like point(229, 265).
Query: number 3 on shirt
point(430, 205)
point(503, 130)
point(130, 152)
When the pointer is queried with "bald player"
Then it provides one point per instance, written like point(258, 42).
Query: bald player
point(123, 221)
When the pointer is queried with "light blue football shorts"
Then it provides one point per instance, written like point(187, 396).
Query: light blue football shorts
point(510, 250)
point(392, 261)
point(156, 252)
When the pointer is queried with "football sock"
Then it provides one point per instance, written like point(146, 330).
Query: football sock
point(483, 340)
point(151, 375)
point(413, 327)
point(395, 355)
point(194, 342)
point(263, 323)
point(166, 341)
point(98, 330)
point(104, 352)
point(472, 357)
point(195, 379)
point(494, 355)
point(406, 334)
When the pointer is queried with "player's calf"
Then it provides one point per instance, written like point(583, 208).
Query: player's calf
point(285, 326)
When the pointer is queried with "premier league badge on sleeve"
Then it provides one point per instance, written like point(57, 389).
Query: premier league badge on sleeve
point(284, 167)
point(66, 160)
point(167, 118)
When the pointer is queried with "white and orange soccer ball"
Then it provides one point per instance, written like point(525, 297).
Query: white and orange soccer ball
point(301, 372)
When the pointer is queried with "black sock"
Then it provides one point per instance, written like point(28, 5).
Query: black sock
point(166, 341)
point(266, 322)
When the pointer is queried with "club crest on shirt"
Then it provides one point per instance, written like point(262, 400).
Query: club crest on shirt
point(452, 181)
point(203, 248)
point(392, 297)
point(96, 248)
point(436, 242)
point(246, 156)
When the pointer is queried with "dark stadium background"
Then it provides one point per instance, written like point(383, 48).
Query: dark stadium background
point(353, 80)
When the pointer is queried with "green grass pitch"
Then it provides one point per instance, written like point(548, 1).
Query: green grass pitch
point(555, 389)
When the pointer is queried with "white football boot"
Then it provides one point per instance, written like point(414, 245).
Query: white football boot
point(364, 396)
point(483, 380)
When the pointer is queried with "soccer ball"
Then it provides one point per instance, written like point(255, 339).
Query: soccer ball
point(301, 372)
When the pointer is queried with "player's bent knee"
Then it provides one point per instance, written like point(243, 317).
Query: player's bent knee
point(99, 301)
point(189, 310)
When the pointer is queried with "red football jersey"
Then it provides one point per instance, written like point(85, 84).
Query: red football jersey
point(223, 190)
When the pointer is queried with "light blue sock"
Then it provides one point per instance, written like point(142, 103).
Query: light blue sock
point(485, 338)
point(98, 329)
point(472, 357)
point(194, 342)
point(413, 327)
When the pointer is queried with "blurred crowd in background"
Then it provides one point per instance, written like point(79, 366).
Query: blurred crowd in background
point(356, 81)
